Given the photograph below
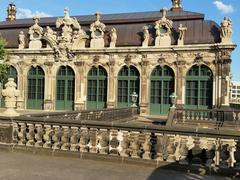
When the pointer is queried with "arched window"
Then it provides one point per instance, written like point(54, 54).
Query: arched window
point(35, 88)
point(128, 82)
point(65, 87)
point(199, 87)
point(162, 86)
point(97, 88)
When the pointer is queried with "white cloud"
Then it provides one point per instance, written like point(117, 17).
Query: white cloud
point(27, 13)
point(224, 8)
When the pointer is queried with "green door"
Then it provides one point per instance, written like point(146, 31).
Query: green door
point(162, 86)
point(199, 88)
point(65, 89)
point(35, 88)
point(12, 73)
point(128, 82)
point(97, 88)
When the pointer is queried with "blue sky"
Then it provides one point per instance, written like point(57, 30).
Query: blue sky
point(213, 10)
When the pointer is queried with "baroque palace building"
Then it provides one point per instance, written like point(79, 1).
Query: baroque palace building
point(95, 62)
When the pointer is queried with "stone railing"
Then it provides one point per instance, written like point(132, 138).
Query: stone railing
point(127, 141)
point(217, 118)
point(94, 115)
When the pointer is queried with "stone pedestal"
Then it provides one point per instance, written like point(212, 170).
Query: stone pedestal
point(97, 43)
point(35, 44)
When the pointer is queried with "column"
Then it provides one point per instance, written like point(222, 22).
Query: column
point(111, 83)
point(48, 95)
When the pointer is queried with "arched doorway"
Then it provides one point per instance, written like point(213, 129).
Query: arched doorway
point(128, 82)
point(199, 88)
point(36, 80)
point(11, 73)
point(65, 87)
point(97, 88)
point(162, 86)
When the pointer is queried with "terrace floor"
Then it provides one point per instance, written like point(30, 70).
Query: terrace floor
point(21, 166)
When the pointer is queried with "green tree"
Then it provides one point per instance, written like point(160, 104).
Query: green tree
point(3, 66)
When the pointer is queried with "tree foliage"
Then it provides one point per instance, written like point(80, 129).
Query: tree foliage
point(3, 67)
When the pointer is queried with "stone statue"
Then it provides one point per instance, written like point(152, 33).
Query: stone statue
point(113, 36)
point(78, 39)
point(176, 4)
point(97, 32)
point(21, 40)
point(10, 93)
point(181, 37)
point(145, 36)
point(51, 36)
point(226, 30)
point(35, 32)
point(163, 29)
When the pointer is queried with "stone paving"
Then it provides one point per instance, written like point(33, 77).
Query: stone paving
point(21, 166)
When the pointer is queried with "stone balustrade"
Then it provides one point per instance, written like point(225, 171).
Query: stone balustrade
point(158, 144)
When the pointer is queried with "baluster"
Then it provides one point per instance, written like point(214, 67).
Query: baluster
point(15, 133)
point(160, 147)
point(74, 139)
point(169, 154)
point(134, 145)
point(56, 137)
point(66, 134)
point(84, 139)
point(22, 134)
point(93, 140)
point(238, 116)
point(39, 135)
point(188, 115)
point(183, 115)
point(123, 137)
point(113, 142)
point(232, 149)
point(30, 135)
point(147, 146)
point(234, 116)
point(217, 152)
point(103, 141)
point(47, 137)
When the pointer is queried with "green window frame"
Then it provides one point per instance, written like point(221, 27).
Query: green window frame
point(199, 88)
point(36, 84)
point(162, 86)
point(128, 82)
point(65, 88)
point(97, 88)
point(11, 73)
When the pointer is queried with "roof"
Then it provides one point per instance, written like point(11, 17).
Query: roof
point(129, 27)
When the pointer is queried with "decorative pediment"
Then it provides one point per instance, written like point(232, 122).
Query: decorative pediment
point(35, 34)
point(97, 32)
point(163, 29)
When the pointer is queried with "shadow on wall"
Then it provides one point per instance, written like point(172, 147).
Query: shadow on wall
point(198, 165)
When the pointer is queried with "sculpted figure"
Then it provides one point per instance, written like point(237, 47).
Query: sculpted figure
point(21, 40)
point(145, 36)
point(51, 34)
point(181, 37)
point(113, 36)
point(35, 32)
point(10, 93)
point(226, 30)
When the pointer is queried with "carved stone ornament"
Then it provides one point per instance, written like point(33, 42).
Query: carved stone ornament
point(226, 30)
point(113, 36)
point(97, 33)
point(21, 40)
point(10, 93)
point(146, 36)
point(35, 32)
point(181, 36)
point(163, 29)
